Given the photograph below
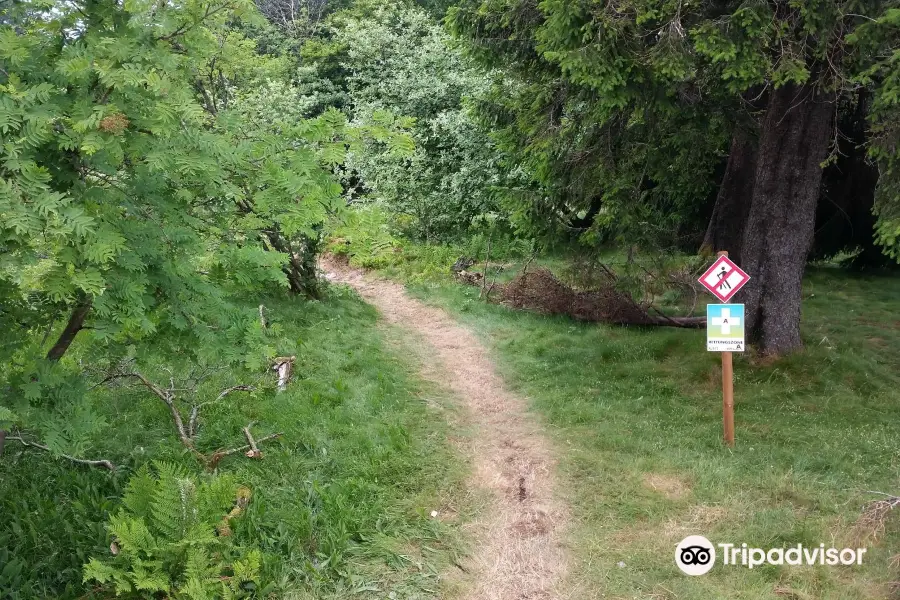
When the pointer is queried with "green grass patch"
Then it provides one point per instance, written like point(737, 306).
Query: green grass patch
point(341, 504)
point(636, 414)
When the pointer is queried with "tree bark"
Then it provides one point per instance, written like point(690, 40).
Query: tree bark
point(729, 217)
point(75, 324)
point(795, 137)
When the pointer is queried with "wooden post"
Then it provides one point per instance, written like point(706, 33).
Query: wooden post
point(728, 397)
point(727, 393)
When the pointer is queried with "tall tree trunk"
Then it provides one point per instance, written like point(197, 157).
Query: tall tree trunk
point(796, 133)
point(75, 324)
point(729, 216)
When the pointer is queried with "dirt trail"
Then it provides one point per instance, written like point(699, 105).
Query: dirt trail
point(518, 554)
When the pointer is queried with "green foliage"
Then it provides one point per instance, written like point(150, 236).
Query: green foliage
point(878, 38)
point(620, 113)
point(368, 237)
point(153, 166)
point(132, 183)
point(395, 57)
point(168, 538)
point(341, 502)
point(7, 417)
point(119, 184)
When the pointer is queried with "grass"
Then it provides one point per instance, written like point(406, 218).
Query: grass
point(341, 503)
point(636, 415)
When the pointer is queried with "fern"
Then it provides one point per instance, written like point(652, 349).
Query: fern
point(164, 539)
point(138, 492)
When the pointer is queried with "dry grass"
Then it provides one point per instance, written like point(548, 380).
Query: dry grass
point(670, 486)
point(871, 523)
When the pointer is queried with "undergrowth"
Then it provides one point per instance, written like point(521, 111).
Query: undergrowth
point(368, 239)
point(341, 503)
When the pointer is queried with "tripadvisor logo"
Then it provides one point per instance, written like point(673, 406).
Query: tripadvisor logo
point(696, 555)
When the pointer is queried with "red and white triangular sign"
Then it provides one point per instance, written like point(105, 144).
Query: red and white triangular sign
point(724, 278)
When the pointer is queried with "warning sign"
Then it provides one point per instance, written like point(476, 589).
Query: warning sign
point(724, 279)
point(725, 327)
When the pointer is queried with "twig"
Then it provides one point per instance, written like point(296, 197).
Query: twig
point(186, 27)
point(493, 283)
point(254, 451)
point(608, 271)
point(195, 410)
point(262, 317)
point(169, 398)
point(82, 461)
point(236, 388)
point(891, 496)
point(528, 262)
point(871, 523)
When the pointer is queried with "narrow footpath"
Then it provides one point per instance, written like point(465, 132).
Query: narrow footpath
point(517, 554)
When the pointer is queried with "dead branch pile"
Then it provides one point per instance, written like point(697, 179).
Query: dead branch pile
point(871, 526)
point(540, 290)
point(871, 523)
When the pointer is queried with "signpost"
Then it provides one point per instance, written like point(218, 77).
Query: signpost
point(724, 278)
point(725, 328)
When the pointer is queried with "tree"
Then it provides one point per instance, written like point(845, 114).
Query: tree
point(139, 190)
point(673, 81)
point(397, 59)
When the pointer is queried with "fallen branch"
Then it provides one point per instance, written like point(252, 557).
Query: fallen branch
point(81, 461)
point(687, 322)
point(543, 292)
point(167, 396)
point(218, 455)
point(188, 434)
